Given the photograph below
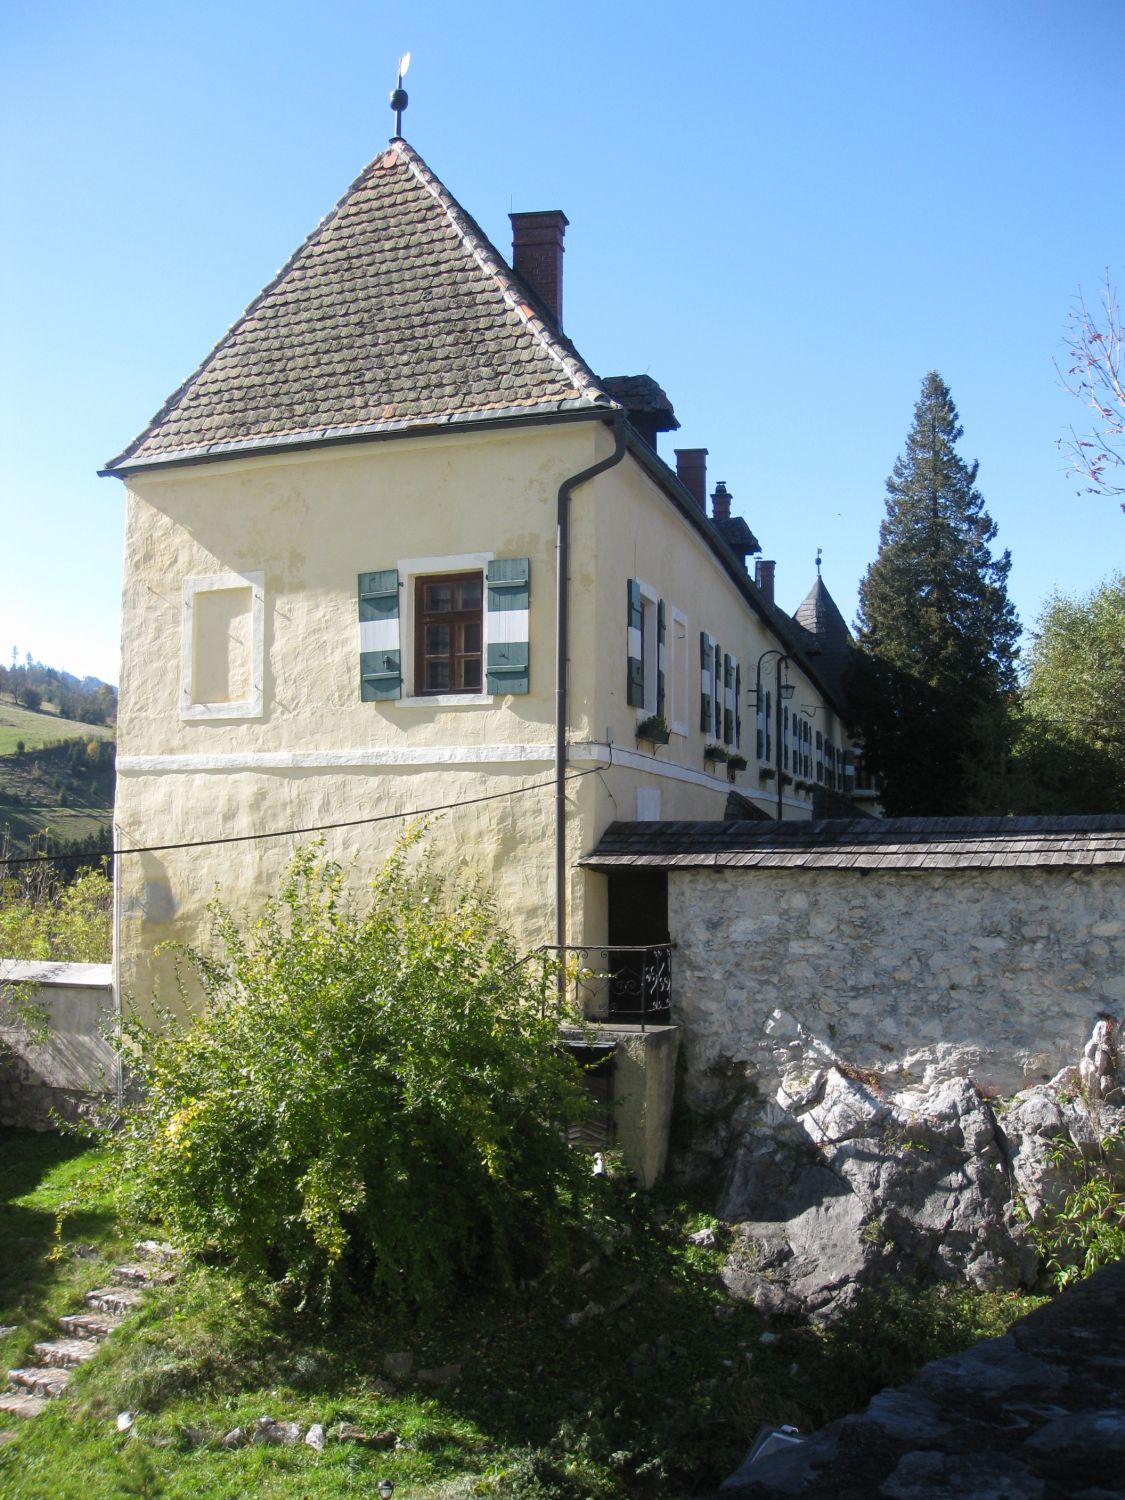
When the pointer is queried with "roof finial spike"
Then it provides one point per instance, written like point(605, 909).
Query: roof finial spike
point(818, 551)
point(399, 96)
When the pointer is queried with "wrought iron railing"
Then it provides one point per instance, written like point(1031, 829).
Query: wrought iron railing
point(627, 984)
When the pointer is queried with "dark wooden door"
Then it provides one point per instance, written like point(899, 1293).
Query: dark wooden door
point(638, 917)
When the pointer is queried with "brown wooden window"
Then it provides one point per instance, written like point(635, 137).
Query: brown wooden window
point(448, 629)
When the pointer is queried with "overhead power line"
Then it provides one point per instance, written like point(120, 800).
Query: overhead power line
point(288, 833)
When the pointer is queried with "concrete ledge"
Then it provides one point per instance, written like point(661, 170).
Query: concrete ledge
point(52, 971)
point(56, 1061)
point(644, 1082)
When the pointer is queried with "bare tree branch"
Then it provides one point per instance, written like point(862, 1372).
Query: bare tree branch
point(1095, 375)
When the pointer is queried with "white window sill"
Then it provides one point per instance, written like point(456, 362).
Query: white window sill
point(248, 709)
point(444, 700)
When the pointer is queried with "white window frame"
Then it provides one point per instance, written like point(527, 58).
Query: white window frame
point(243, 708)
point(648, 804)
point(676, 679)
point(410, 569)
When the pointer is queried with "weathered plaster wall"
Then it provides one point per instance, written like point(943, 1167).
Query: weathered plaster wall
point(57, 1061)
point(315, 753)
point(995, 973)
point(309, 752)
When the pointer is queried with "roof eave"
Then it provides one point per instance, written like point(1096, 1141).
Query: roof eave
point(686, 504)
point(577, 411)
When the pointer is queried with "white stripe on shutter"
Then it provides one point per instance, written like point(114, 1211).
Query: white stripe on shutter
point(379, 635)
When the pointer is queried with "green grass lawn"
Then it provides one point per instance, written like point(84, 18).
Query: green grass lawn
point(42, 727)
point(656, 1391)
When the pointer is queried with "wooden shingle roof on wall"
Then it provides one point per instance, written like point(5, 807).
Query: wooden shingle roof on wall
point(865, 844)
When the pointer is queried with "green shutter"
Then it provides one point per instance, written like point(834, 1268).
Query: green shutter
point(380, 655)
point(717, 691)
point(705, 683)
point(728, 700)
point(737, 706)
point(635, 680)
point(660, 628)
point(508, 588)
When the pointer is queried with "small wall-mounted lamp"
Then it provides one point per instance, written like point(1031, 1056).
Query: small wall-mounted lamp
point(386, 1489)
point(785, 690)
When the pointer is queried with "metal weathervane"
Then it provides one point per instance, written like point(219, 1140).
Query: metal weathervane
point(399, 97)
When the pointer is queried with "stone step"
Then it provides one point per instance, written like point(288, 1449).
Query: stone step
point(115, 1299)
point(158, 1250)
point(64, 1354)
point(135, 1275)
point(141, 1275)
point(89, 1325)
point(40, 1380)
point(21, 1404)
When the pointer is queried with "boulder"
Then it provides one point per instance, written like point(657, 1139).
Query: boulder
point(850, 1185)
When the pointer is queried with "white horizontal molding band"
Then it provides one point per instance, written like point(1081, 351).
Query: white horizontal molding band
point(436, 755)
point(292, 760)
point(633, 760)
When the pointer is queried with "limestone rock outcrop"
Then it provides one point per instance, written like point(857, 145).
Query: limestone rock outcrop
point(835, 1185)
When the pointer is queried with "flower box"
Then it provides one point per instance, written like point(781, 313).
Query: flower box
point(654, 729)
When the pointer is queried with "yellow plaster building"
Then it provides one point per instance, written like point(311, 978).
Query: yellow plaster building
point(342, 603)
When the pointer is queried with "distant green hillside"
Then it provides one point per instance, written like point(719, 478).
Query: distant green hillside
point(66, 789)
point(41, 727)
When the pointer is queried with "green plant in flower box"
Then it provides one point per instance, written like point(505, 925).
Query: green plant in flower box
point(654, 728)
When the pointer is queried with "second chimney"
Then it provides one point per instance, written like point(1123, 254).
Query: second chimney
point(763, 577)
point(691, 471)
point(537, 255)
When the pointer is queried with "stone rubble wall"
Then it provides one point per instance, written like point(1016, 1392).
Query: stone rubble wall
point(917, 977)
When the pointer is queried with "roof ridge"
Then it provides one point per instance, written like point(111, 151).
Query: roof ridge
point(492, 263)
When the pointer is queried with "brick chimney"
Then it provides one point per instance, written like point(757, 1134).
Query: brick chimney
point(763, 577)
point(691, 471)
point(537, 255)
point(720, 502)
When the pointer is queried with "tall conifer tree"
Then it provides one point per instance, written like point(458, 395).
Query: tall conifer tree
point(938, 631)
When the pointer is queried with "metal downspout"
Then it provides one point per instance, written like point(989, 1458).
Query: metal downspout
point(115, 972)
point(562, 644)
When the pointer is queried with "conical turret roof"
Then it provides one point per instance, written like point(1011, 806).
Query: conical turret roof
point(819, 616)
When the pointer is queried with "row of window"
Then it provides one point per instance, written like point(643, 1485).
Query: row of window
point(805, 754)
point(657, 669)
point(469, 633)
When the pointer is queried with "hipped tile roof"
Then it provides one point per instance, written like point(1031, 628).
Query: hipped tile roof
point(865, 844)
point(395, 312)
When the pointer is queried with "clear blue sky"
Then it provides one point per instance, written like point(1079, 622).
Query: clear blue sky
point(785, 213)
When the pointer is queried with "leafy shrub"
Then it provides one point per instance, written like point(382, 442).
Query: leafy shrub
point(1088, 1231)
point(374, 1100)
point(40, 918)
